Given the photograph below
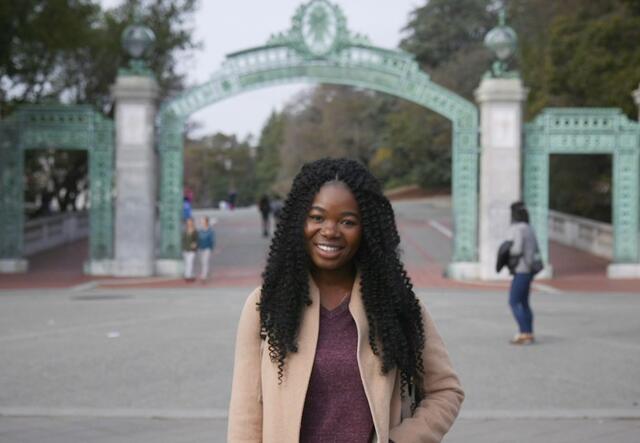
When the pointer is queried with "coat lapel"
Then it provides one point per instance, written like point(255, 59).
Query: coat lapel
point(378, 386)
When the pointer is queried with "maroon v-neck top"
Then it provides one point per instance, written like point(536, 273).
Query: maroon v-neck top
point(336, 409)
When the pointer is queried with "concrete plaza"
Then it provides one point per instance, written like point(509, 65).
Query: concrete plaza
point(151, 360)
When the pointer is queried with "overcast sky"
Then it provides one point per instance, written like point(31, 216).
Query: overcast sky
point(229, 26)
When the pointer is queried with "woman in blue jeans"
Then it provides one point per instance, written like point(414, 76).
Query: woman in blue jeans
point(524, 248)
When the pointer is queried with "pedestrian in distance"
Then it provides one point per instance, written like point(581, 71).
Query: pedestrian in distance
point(186, 209)
point(206, 244)
point(264, 206)
point(276, 208)
point(335, 346)
point(189, 248)
point(525, 263)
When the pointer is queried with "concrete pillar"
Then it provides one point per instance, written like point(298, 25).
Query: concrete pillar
point(636, 98)
point(500, 103)
point(135, 211)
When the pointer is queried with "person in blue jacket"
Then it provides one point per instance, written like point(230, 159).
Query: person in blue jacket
point(206, 244)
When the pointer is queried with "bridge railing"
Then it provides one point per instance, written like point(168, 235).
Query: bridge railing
point(581, 233)
point(48, 232)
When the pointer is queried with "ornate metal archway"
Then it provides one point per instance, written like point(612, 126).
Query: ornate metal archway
point(586, 131)
point(319, 48)
point(57, 127)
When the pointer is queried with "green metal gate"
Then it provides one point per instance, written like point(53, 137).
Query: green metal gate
point(56, 127)
point(319, 48)
point(586, 131)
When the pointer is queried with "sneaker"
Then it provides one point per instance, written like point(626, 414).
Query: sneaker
point(522, 339)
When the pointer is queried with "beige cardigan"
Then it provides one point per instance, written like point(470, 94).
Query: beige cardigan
point(261, 410)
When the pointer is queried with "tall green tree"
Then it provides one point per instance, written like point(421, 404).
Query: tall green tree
point(268, 153)
point(218, 164)
point(70, 50)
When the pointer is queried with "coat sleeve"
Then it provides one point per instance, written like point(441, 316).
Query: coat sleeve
point(245, 408)
point(436, 413)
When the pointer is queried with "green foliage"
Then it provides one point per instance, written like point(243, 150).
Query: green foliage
point(587, 193)
point(268, 153)
point(54, 175)
point(216, 165)
point(329, 121)
point(579, 53)
point(70, 50)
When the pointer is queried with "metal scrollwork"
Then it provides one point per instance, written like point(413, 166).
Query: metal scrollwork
point(56, 127)
point(586, 131)
point(320, 48)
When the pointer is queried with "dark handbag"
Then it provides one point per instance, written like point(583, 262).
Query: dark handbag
point(536, 265)
point(504, 258)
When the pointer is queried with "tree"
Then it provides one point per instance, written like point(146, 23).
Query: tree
point(215, 165)
point(268, 152)
point(579, 53)
point(70, 51)
point(446, 37)
point(329, 121)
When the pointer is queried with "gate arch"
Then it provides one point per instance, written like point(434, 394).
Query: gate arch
point(319, 48)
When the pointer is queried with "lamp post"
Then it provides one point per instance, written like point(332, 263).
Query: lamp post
point(137, 41)
point(502, 41)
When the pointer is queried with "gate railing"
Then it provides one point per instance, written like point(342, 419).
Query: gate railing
point(45, 233)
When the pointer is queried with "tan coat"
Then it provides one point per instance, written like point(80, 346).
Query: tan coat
point(262, 410)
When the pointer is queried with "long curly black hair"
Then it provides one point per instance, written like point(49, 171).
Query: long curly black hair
point(392, 309)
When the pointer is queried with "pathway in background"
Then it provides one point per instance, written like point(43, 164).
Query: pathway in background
point(425, 229)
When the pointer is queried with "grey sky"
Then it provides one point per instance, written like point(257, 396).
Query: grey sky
point(228, 26)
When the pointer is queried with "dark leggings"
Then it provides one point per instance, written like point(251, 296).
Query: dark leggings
point(519, 301)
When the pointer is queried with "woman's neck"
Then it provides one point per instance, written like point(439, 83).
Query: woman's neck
point(333, 285)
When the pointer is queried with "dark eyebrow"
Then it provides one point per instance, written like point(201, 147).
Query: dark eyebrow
point(346, 213)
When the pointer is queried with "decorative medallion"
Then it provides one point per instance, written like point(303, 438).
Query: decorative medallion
point(319, 27)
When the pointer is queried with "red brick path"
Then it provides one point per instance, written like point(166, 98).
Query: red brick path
point(62, 268)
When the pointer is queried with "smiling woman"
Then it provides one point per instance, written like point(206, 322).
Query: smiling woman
point(335, 346)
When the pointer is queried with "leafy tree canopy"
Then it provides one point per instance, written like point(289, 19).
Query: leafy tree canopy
point(70, 50)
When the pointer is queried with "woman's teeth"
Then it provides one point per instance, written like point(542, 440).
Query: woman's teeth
point(328, 248)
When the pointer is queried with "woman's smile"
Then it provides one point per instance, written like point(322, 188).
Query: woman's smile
point(329, 251)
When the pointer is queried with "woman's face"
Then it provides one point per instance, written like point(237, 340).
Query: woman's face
point(333, 227)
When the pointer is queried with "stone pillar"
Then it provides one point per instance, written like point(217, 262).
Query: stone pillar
point(500, 101)
point(636, 98)
point(135, 218)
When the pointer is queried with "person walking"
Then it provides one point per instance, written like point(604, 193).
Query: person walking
point(206, 244)
point(264, 206)
point(525, 258)
point(335, 346)
point(186, 209)
point(189, 247)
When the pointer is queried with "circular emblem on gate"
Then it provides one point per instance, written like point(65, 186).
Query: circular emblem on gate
point(319, 27)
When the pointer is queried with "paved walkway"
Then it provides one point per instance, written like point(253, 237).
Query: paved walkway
point(141, 365)
point(149, 360)
point(238, 260)
point(127, 430)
